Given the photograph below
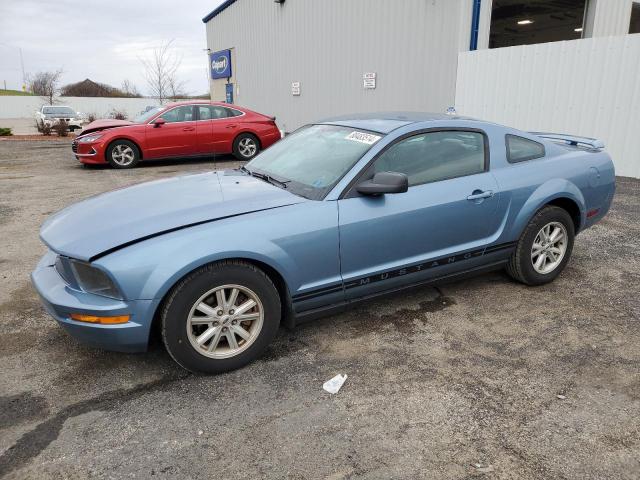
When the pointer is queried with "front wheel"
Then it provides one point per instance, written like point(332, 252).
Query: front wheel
point(123, 154)
point(544, 247)
point(220, 317)
point(246, 146)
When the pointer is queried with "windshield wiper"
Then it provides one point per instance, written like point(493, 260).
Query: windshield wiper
point(266, 177)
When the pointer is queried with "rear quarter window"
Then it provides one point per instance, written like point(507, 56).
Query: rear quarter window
point(231, 112)
point(520, 149)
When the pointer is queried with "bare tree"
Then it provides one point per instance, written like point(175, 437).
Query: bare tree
point(129, 89)
point(161, 71)
point(176, 89)
point(46, 84)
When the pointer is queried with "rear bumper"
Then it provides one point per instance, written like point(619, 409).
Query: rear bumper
point(60, 301)
point(269, 138)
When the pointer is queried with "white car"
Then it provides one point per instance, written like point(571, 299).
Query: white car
point(50, 115)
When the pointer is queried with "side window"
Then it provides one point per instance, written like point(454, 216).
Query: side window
point(211, 112)
point(179, 114)
point(218, 112)
point(520, 149)
point(434, 156)
point(232, 112)
point(204, 112)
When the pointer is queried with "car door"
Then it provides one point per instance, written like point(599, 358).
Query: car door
point(214, 129)
point(176, 137)
point(439, 226)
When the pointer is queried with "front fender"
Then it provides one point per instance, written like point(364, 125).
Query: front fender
point(139, 140)
point(546, 193)
point(304, 252)
point(140, 277)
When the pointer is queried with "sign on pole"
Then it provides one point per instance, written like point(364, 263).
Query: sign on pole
point(220, 63)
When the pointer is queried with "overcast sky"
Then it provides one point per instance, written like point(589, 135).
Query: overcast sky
point(101, 40)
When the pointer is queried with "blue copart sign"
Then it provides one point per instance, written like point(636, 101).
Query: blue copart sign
point(220, 64)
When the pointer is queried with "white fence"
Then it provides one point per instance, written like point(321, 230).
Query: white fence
point(25, 106)
point(588, 87)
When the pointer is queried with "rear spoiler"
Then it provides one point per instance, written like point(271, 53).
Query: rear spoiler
point(571, 139)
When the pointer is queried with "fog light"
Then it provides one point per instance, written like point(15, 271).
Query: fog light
point(80, 317)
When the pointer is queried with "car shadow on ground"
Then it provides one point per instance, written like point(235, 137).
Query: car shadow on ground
point(218, 161)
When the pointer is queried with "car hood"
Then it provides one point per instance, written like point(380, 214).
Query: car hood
point(97, 125)
point(109, 221)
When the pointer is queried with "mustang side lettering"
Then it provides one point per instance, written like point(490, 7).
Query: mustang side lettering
point(338, 212)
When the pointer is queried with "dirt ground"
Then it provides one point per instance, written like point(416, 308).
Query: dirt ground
point(478, 378)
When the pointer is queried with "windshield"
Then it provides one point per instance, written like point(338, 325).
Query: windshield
point(145, 116)
point(59, 111)
point(314, 158)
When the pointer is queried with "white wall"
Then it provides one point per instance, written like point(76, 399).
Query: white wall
point(25, 106)
point(588, 87)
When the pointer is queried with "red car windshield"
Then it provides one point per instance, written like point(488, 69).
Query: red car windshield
point(146, 116)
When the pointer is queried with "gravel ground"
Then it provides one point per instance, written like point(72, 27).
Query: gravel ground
point(478, 378)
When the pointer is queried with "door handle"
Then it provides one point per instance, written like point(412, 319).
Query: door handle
point(479, 195)
point(231, 126)
point(188, 129)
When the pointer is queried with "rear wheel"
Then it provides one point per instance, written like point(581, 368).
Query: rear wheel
point(123, 154)
point(246, 146)
point(544, 247)
point(220, 317)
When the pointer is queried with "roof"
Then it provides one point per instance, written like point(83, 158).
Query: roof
point(385, 122)
point(223, 6)
point(203, 101)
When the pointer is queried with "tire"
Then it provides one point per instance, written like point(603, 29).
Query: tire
point(123, 154)
point(184, 326)
point(246, 146)
point(526, 265)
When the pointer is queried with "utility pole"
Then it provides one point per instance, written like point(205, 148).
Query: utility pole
point(24, 77)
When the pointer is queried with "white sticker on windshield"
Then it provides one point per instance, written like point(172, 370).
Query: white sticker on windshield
point(362, 137)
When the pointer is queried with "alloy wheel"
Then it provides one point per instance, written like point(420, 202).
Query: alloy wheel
point(123, 155)
point(247, 147)
point(225, 321)
point(549, 247)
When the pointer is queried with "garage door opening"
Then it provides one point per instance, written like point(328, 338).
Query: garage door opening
point(517, 22)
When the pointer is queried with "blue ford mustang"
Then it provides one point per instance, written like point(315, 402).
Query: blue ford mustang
point(339, 211)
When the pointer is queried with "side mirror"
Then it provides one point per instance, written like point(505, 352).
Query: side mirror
point(384, 182)
point(158, 122)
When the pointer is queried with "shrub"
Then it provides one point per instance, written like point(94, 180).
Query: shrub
point(91, 117)
point(118, 114)
point(61, 128)
point(5, 132)
point(42, 128)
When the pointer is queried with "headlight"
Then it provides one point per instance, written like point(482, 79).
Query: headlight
point(94, 280)
point(89, 138)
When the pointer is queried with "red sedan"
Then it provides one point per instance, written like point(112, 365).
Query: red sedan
point(182, 129)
